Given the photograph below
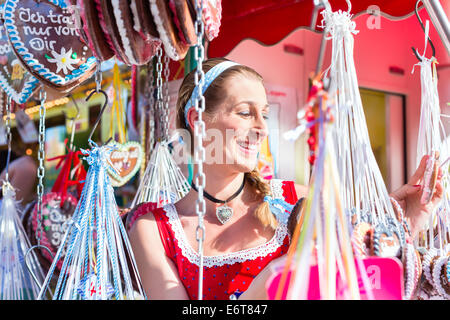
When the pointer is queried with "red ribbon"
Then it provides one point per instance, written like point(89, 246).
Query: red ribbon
point(63, 182)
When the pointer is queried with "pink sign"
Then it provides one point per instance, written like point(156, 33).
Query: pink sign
point(385, 278)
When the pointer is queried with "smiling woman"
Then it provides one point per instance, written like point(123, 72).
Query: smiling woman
point(246, 216)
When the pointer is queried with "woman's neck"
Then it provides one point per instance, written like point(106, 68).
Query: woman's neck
point(221, 184)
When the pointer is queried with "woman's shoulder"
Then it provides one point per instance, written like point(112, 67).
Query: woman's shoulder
point(143, 211)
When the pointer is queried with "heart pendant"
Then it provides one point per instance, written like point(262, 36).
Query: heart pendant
point(44, 37)
point(224, 213)
point(126, 160)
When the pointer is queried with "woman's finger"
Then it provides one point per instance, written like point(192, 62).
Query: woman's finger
point(438, 193)
point(418, 175)
point(405, 191)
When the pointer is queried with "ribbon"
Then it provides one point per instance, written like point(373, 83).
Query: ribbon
point(279, 208)
point(63, 181)
point(117, 108)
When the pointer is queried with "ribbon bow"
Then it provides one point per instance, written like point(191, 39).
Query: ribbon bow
point(279, 208)
point(98, 156)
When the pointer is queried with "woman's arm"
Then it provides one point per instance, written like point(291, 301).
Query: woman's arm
point(158, 273)
point(302, 191)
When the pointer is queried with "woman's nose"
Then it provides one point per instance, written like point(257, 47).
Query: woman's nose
point(260, 126)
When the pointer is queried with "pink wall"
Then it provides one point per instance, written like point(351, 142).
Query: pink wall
point(375, 51)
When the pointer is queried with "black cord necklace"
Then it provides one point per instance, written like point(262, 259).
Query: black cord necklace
point(223, 213)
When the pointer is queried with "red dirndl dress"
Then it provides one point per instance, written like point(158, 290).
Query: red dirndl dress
point(225, 274)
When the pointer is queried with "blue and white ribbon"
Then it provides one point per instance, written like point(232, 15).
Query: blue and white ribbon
point(279, 208)
point(97, 249)
point(210, 76)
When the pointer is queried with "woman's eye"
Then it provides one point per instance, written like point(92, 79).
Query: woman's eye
point(244, 113)
point(266, 116)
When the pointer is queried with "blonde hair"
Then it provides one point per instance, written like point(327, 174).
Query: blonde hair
point(215, 95)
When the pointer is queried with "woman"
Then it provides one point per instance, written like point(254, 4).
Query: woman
point(237, 252)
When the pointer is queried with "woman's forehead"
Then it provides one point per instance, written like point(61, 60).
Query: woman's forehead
point(244, 88)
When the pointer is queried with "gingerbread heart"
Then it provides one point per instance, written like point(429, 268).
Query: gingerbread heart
point(126, 160)
point(44, 37)
point(129, 44)
point(18, 83)
point(386, 241)
point(55, 218)
point(211, 15)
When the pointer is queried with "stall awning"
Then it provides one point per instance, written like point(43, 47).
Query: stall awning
point(269, 21)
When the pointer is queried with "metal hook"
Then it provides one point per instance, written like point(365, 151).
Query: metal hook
point(29, 268)
point(423, 28)
point(105, 104)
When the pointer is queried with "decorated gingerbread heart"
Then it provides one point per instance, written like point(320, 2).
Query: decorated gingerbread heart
point(44, 37)
point(212, 15)
point(55, 220)
point(126, 160)
point(387, 242)
point(15, 80)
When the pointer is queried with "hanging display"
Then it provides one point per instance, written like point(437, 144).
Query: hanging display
point(58, 206)
point(20, 271)
point(117, 21)
point(434, 240)
point(95, 265)
point(162, 182)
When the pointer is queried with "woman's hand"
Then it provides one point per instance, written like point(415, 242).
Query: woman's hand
point(409, 195)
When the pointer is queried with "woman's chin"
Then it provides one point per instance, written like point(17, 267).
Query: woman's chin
point(246, 164)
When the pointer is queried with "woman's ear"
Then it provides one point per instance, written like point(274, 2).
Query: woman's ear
point(192, 116)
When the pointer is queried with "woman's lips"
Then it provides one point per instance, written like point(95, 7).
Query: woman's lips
point(248, 148)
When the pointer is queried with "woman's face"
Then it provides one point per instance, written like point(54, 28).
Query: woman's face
point(237, 127)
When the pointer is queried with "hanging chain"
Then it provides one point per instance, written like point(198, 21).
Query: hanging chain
point(151, 110)
point(159, 95)
point(98, 77)
point(199, 133)
point(166, 97)
point(41, 168)
point(8, 135)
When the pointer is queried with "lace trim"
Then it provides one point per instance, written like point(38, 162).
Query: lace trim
point(188, 252)
point(276, 185)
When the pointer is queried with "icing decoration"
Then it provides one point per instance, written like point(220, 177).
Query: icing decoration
point(386, 242)
point(173, 47)
point(427, 261)
point(55, 214)
point(439, 278)
point(14, 79)
point(126, 160)
point(361, 239)
point(137, 50)
point(409, 270)
point(44, 38)
point(212, 15)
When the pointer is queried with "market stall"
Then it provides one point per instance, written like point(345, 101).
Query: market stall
point(101, 78)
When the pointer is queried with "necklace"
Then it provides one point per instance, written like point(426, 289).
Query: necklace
point(224, 212)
